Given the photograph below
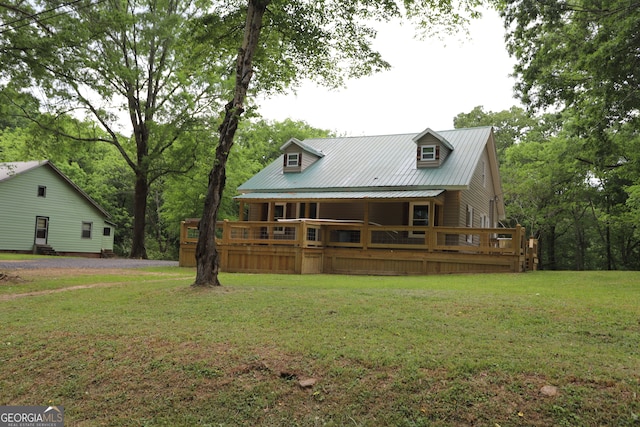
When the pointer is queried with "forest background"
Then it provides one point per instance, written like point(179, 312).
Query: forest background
point(571, 177)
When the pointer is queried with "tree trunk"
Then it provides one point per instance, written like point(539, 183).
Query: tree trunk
point(138, 249)
point(207, 260)
point(551, 249)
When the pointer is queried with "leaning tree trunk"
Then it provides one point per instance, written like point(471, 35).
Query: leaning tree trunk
point(207, 260)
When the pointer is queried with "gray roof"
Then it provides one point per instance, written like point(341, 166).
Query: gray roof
point(328, 195)
point(376, 163)
point(302, 145)
point(10, 169)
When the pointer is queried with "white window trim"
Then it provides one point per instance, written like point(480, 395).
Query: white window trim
point(469, 221)
point(279, 230)
point(290, 163)
point(424, 156)
point(411, 218)
point(484, 174)
point(90, 230)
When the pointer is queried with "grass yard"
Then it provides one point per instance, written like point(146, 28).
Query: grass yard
point(141, 348)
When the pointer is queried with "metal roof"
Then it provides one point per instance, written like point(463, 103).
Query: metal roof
point(328, 195)
point(370, 163)
point(302, 145)
point(10, 169)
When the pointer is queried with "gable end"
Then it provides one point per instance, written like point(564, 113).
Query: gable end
point(432, 149)
point(298, 156)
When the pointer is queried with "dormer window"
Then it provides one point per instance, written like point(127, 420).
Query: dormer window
point(429, 152)
point(432, 149)
point(292, 160)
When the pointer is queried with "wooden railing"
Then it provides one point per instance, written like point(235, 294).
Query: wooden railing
point(311, 233)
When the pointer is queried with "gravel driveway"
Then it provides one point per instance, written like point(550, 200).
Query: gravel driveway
point(63, 262)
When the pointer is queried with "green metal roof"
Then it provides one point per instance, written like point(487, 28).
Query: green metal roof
point(376, 163)
point(328, 195)
point(10, 169)
point(303, 146)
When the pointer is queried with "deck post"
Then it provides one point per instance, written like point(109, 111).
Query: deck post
point(517, 240)
point(226, 232)
point(364, 238)
point(432, 238)
point(301, 227)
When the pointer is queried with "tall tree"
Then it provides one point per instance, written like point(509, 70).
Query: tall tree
point(510, 126)
point(326, 40)
point(577, 54)
point(133, 67)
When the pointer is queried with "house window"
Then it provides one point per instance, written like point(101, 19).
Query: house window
point(42, 191)
point(292, 160)
point(428, 152)
point(484, 221)
point(86, 230)
point(106, 231)
point(418, 217)
point(279, 211)
point(469, 222)
point(312, 210)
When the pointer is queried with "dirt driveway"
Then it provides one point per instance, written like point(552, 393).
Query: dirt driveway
point(17, 271)
point(82, 263)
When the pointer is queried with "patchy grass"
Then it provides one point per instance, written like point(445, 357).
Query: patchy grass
point(385, 351)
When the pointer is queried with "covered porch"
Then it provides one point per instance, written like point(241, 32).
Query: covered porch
point(313, 246)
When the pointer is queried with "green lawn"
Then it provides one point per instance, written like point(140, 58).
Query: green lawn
point(147, 350)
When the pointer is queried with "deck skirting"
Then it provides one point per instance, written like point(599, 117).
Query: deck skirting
point(287, 250)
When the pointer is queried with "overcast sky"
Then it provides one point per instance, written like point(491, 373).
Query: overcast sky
point(430, 82)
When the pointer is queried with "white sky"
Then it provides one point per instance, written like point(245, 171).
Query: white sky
point(430, 82)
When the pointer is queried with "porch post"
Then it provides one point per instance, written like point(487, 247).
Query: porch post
point(226, 232)
point(241, 213)
point(431, 235)
point(365, 229)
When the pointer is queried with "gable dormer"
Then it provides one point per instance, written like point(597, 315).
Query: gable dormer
point(431, 149)
point(297, 156)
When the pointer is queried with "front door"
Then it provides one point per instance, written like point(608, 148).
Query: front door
point(42, 230)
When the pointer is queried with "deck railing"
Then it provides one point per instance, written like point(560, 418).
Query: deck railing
point(311, 233)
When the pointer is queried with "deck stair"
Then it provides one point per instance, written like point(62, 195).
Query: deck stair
point(107, 253)
point(45, 250)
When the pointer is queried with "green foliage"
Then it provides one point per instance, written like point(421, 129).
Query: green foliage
point(510, 126)
point(257, 144)
point(577, 55)
point(570, 197)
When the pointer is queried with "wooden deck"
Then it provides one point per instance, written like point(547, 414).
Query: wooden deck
point(343, 247)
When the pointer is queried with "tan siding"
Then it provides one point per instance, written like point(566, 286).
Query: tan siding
point(429, 139)
point(388, 213)
point(479, 194)
point(256, 212)
point(345, 211)
point(452, 215)
point(444, 152)
point(307, 158)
